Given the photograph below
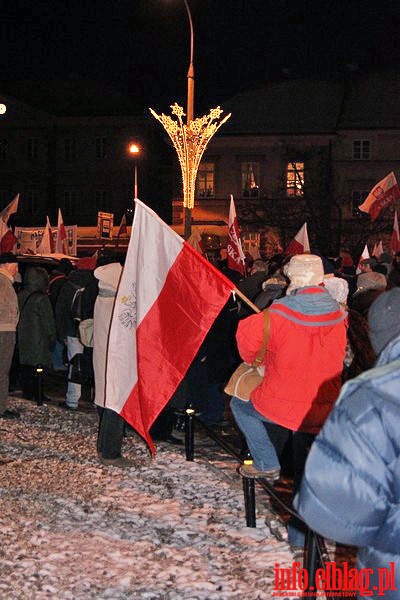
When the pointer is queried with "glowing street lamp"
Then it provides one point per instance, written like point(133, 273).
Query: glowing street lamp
point(135, 150)
point(190, 140)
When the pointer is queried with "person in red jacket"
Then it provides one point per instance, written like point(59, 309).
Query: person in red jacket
point(303, 366)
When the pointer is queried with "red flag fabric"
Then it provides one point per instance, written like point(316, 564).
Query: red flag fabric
point(383, 194)
point(61, 245)
point(299, 243)
point(235, 252)
point(167, 300)
point(7, 242)
point(395, 241)
point(87, 263)
point(10, 209)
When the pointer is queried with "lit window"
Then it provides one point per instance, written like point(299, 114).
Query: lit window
point(3, 148)
point(70, 152)
point(295, 179)
point(33, 148)
point(361, 150)
point(250, 178)
point(101, 147)
point(205, 180)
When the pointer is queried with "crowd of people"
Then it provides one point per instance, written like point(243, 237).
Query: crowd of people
point(327, 325)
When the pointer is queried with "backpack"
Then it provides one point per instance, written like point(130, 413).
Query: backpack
point(76, 303)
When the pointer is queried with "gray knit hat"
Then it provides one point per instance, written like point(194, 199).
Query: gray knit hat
point(384, 319)
point(370, 281)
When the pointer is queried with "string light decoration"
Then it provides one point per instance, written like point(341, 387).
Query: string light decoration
point(190, 142)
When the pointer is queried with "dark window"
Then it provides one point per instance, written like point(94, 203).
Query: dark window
point(361, 150)
point(70, 151)
point(101, 147)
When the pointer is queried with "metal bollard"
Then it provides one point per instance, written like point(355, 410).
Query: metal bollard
point(39, 384)
point(249, 495)
point(189, 433)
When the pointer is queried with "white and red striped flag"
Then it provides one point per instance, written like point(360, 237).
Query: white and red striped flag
point(299, 243)
point(61, 244)
point(364, 256)
point(383, 194)
point(395, 240)
point(234, 248)
point(167, 300)
point(10, 209)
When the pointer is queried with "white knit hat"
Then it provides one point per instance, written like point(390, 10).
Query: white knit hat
point(304, 270)
point(338, 288)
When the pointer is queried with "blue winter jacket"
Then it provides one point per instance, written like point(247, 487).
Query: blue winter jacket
point(351, 486)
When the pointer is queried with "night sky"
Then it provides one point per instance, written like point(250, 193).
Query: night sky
point(141, 47)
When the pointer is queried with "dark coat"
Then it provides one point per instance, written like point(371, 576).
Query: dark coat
point(36, 327)
point(66, 326)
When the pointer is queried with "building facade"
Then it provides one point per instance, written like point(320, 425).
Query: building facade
point(297, 151)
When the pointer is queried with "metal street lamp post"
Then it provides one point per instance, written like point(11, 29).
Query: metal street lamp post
point(190, 139)
point(135, 150)
point(187, 212)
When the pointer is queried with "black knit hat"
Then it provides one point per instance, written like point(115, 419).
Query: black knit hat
point(384, 319)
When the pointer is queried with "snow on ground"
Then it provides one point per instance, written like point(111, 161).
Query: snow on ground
point(166, 529)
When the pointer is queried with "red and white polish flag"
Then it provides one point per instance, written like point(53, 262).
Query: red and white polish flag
point(364, 255)
point(383, 194)
point(395, 240)
point(167, 300)
point(61, 245)
point(300, 243)
point(235, 252)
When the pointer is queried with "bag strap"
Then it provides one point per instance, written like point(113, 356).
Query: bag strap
point(260, 356)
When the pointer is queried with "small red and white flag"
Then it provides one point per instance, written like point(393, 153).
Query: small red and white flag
point(46, 243)
point(378, 250)
point(195, 240)
point(300, 243)
point(395, 240)
point(364, 256)
point(123, 230)
point(234, 248)
point(10, 209)
point(382, 195)
point(61, 239)
point(167, 300)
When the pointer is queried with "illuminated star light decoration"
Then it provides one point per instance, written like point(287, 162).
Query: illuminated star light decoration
point(190, 141)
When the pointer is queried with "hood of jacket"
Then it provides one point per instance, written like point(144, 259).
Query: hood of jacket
point(36, 279)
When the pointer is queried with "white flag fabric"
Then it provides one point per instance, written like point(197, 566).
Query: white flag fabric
point(61, 246)
point(167, 300)
point(364, 256)
point(46, 243)
point(10, 209)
